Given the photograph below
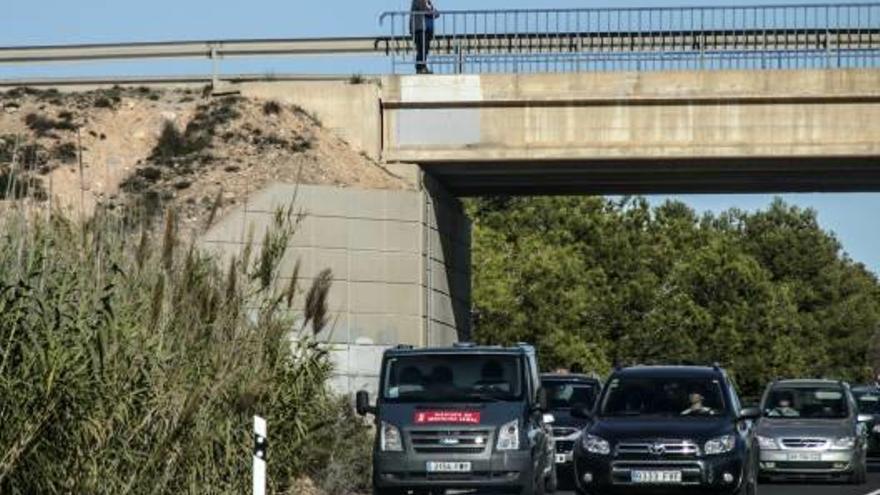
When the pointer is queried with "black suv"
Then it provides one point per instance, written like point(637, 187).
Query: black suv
point(567, 391)
point(464, 417)
point(667, 429)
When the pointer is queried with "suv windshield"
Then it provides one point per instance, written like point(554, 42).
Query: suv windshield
point(820, 402)
point(869, 402)
point(669, 397)
point(453, 378)
point(565, 395)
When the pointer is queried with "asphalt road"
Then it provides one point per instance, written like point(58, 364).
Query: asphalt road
point(872, 488)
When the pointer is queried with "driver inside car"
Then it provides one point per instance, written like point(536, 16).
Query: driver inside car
point(783, 408)
point(696, 405)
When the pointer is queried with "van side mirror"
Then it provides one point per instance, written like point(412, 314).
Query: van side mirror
point(581, 411)
point(362, 403)
point(750, 413)
point(865, 418)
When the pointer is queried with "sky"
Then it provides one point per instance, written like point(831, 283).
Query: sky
point(854, 218)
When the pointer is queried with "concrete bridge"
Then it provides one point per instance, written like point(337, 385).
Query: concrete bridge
point(603, 133)
point(614, 133)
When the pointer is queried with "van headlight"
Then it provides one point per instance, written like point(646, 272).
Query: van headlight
point(844, 443)
point(595, 445)
point(508, 436)
point(767, 443)
point(720, 445)
point(389, 438)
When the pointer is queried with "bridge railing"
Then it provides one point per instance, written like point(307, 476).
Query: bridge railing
point(841, 35)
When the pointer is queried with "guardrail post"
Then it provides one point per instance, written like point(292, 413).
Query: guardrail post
point(261, 446)
point(215, 67)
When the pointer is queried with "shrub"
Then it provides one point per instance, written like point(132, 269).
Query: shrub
point(65, 152)
point(41, 124)
point(272, 107)
point(135, 366)
point(171, 143)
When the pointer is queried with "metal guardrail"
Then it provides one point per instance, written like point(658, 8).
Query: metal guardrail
point(844, 35)
point(195, 49)
point(636, 39)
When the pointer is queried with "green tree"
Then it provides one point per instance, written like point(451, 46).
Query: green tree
point(597, 282)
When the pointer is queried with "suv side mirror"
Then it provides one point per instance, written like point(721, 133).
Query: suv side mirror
point(750, 413)
point(362, 403)
point(581, 411)
point(865, 418)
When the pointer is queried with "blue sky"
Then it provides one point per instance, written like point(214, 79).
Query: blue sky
point(855, 218)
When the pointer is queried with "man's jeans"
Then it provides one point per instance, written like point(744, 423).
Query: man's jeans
point(422, 40)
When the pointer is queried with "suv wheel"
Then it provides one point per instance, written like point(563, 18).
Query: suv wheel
point(552, 481)
point(749, 487)
point(860, 476)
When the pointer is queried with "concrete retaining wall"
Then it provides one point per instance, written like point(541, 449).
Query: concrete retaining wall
point(400, 263)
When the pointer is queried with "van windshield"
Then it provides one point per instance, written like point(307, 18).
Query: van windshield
point(664, 397)
point(822, 402)
point(453, 378)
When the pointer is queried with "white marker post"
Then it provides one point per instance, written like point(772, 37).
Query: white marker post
point(261, 445)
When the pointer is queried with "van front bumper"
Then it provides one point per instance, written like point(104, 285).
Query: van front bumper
point(504, 471)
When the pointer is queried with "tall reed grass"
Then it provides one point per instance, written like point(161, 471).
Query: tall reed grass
point(134, 364)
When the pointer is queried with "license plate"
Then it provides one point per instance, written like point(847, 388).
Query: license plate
point(449, 467)
point(657, 477)
point(804, 456)
point(561, 458)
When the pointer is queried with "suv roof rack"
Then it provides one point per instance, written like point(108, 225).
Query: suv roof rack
point(404, 347)
point(464, 344)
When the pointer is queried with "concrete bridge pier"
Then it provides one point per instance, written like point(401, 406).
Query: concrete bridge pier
point(400, 263)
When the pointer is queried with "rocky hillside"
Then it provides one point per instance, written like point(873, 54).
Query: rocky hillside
point(126, 147)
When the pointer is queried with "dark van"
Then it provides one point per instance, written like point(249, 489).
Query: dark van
point(465, 417)
point(565, 392)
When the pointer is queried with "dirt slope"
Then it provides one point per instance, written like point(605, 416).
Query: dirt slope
point(155, 148)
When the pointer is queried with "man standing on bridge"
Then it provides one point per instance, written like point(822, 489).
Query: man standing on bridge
point(421, 25)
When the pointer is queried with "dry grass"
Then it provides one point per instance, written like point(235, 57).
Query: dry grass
point(130, 365)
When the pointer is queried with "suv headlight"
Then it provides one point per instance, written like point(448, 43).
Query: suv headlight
point(845, 443)
point(767, 443)
point(720, 445)
point(508, 436)
point(595, 445)
point(389, 438)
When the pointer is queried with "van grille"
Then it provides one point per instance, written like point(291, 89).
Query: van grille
point(805, 443)
point(450, 441)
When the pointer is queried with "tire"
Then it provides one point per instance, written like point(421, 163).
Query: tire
point(860, 476)
point(750, 484)
point(551, 484)
point(387, 491)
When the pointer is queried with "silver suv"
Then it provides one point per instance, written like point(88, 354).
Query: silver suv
point(811, 429)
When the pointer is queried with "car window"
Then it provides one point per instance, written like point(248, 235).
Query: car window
point(453, 378)
point(819, 402)
point(565, 395)
point(667, 396)
point(868, 402)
